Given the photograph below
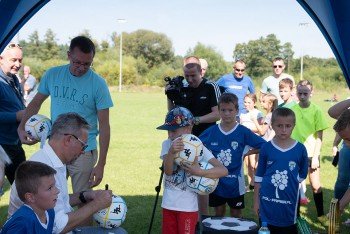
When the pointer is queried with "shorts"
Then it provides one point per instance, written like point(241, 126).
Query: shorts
point(80, 171)
point(175, 222)
point(234, 203)
point(310, 161)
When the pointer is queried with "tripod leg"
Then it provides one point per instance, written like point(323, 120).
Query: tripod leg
point(157, 188)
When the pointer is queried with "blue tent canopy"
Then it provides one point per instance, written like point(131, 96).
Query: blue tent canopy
point(333, 19)
point(331, 16)
point(14, 14)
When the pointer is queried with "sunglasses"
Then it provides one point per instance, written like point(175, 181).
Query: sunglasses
point(279, 66)
point(239, 70)
point(13, 45)
point(83, 144)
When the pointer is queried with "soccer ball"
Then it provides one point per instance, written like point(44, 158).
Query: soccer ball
point(37, 126)
point(193, 147)
point(113, 216)
point(202, 185)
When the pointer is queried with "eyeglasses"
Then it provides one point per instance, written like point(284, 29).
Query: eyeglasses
point(13, 45)
point(279, 66)
point(83, 144)
point(78, 64)
point(239, 70)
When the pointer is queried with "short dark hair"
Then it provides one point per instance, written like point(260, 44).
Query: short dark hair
point(343, 121)
point(282, 112)
point(83, 43)
point(229, 98)
point(28, 175)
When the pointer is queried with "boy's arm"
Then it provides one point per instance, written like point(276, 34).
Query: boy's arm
point(344, 201)
point(175, 147)
point(336, 110)
point(252, 151)
point(317, 151)
point(217, 171)
point(336, 141)
point(256, 199)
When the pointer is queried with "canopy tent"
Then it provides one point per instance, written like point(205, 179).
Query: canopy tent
point(14, 14)
point(330, 16)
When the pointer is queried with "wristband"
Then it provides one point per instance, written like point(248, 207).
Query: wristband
point(81, 197)
point(196, 120)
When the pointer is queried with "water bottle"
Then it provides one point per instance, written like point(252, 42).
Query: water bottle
point(264, 229)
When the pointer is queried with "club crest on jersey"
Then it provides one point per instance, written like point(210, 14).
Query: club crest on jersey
point(291, 165)
point(234, 145)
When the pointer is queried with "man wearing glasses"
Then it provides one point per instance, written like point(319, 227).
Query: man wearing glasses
point(271, 83)
point(237, 83)
point(75, 87)
point(11, 108)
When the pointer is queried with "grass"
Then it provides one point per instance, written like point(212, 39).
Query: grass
point(132, 169)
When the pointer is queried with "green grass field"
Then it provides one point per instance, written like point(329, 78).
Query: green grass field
point(132, 169)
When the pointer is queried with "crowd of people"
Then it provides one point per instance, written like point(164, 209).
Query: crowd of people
point(279, 147)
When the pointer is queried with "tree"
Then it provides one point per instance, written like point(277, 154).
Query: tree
point(258, 54)
point(216, 63)
point(50, 47)
point(154, 48)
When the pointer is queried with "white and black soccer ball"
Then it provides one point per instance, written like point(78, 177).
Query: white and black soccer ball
point(112, 216)
point(38, 126)
point(202, 185)
point(193, 147)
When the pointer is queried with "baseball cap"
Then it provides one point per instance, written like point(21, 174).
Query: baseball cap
point(177, 118)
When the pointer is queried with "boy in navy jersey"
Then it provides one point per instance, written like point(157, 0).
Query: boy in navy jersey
point(282, 165)
point(229, 143)
point(36, 187)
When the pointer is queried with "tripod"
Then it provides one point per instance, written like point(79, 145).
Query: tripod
point(157, 188)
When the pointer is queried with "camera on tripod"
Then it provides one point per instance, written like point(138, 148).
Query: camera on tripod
point(177, 92)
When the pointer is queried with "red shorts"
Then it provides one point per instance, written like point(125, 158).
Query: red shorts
point(179, 222)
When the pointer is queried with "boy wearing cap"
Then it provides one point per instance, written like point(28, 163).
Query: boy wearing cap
point(180, 206)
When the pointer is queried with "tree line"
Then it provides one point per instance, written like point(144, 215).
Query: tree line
point(149, 56)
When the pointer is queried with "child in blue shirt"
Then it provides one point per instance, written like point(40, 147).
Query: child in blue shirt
point(283, 164)
point(229, 142)
point(36, 187)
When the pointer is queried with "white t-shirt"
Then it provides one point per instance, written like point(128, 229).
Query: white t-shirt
point(48, 156)
point(176, 195)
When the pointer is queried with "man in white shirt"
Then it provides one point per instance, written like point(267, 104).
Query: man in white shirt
point(68, 140)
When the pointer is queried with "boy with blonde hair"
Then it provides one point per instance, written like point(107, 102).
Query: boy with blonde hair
point(309, 131)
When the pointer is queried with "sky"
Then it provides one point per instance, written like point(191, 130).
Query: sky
point(220, 24)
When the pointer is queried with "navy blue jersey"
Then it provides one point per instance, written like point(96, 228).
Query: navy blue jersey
point(229, 148)
point(280, 171)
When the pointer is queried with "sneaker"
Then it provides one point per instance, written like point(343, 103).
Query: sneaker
point(323, 220)
point(249, 188)
point(304, 201)
point(346, 223)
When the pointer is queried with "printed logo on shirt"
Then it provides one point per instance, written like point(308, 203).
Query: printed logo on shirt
point(291, 165)
point(214, 143)
point(280, 181)
point(269, 162)
point(235, 87)
point(203, 98)
point(234, 145)
point(225, 157)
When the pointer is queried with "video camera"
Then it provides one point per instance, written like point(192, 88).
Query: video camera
point(177, 92)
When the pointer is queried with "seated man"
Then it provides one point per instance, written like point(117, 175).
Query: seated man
point(67, 141)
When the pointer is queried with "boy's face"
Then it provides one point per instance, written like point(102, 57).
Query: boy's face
point(173, 134)
point(304, 93)
point(248, 103)
point(47, 194)
point(283, 127)
point(285, 93)
point(345, 135)
point(227, 112)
